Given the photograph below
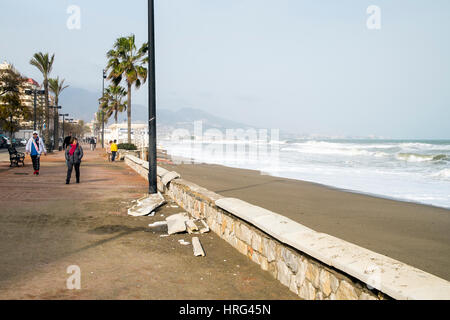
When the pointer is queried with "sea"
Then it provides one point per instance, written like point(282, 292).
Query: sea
point(408, 170)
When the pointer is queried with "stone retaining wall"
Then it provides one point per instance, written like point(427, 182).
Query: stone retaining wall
point(311, 264)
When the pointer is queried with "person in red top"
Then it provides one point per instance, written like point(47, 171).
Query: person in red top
point(74, 154)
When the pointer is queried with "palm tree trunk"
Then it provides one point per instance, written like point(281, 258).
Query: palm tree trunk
point(129, 112)
point(47, 115)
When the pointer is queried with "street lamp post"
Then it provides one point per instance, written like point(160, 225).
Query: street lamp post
point(34, 92)
point(103, 112)
point(63, 115)
point(152, 178)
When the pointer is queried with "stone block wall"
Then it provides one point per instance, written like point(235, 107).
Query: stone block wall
point(305, 276)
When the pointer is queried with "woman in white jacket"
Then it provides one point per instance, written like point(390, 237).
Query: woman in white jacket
point(35, 147)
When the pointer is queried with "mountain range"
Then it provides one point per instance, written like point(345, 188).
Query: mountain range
point(82, 104)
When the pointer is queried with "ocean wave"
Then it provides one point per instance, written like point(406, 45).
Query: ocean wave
point(423, 146)
point(417, 157)
point(443, 174)
point(329, 148)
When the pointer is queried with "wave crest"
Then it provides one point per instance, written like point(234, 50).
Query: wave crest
point(417, 157)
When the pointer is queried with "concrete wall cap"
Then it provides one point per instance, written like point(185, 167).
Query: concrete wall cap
point(392, 277)
point(169, 176)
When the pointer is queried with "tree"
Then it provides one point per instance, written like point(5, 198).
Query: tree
point(112, 102)
point(78, 129)
point(127, 62)
point(12, 111)
point(10, 81)
point(56, 86)
point(44, 63)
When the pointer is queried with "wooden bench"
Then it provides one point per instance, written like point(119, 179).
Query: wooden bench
point(16, 157)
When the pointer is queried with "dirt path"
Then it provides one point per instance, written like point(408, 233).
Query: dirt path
point(47, 226)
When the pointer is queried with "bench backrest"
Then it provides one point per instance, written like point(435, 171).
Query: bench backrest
point(12, 150)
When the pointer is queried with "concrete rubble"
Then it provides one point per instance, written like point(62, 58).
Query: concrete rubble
point(197, 246)
point(191, 226)
point(181, 223)
point(146, 205)
point(177, 223)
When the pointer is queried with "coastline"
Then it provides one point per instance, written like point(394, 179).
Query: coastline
point(414, 233)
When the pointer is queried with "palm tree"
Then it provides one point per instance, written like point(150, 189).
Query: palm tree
point(44, 63)
point(56, 86)
point(127, 62)
point(112, 101)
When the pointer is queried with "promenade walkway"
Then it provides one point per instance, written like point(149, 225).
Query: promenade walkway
point(47, 226)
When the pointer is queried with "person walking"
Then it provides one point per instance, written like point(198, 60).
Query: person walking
point(92, 142)
point(114, 149)
point(74, 154)
point(35, 147)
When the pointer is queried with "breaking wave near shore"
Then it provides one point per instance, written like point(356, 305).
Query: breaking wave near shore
point(417, 171)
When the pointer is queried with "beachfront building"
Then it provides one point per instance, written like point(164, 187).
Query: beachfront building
point(28, 100)
point(119, 132)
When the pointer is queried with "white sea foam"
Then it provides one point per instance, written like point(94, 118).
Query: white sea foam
point(443, 174)
point(414, 171)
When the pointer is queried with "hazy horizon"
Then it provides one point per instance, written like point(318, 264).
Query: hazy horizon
point(301, 66)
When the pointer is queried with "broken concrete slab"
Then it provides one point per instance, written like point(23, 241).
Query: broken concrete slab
point(147, 205)
point(168, 177)
point(191, 226)
point(198, 249)
point(177, 223)
point(205, 228)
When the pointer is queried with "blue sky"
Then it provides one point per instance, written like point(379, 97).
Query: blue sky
point(307, 66)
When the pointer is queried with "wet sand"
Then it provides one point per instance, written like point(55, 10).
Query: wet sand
point(415, 234)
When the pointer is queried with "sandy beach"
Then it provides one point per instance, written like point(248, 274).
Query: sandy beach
point(415, 234)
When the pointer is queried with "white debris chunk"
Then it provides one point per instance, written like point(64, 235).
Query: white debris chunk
point(205, 229)
point(158, 224)
point(147, 205)
point(191, 226)
point(198, 249)
point(176, 223)
point(184, 243)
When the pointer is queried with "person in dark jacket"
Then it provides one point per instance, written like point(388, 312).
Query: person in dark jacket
point(67, 140)
point(74, 154)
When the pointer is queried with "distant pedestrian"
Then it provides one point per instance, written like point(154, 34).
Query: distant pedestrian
point(67, 140)
point(114, 149)
point(108, 150)
point(74, 154)
point(92, 143)
point(35, 147)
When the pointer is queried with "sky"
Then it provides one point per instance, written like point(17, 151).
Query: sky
point(305, 66)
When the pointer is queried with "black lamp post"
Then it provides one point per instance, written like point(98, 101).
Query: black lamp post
point(103, 112)
point(34, 92)
point(63, 115)
point(152, 178)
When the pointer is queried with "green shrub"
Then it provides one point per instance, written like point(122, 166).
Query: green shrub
point(126, 146)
